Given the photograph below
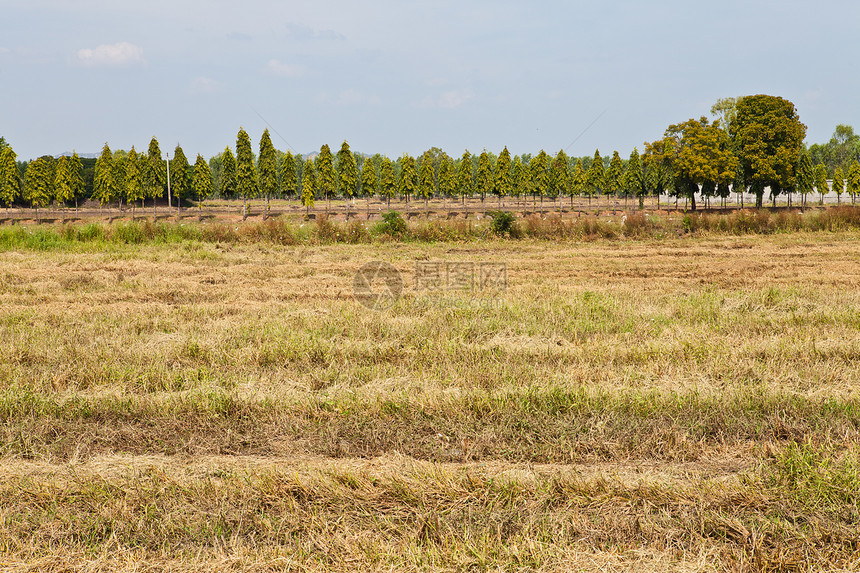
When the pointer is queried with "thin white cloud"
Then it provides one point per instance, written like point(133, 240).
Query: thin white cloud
point(112, 55)
point(447, 100)
point(203, 85)
point(278, 68)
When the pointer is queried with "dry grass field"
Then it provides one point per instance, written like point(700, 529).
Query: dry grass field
point(671, 404)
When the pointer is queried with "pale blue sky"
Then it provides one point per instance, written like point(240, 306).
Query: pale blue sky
point(402, 76)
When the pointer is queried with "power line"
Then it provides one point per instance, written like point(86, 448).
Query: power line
point(586, 129)
point(273, 129)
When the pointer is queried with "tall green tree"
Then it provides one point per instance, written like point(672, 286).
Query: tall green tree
point(447, 177)
point(805, 177)
point(289, 177)
point(105, 187)
point(63, 182)
point(820, 176)
point(853, 183)
point(634, 178)
point(246, 174)
point(347, 171)
point(484, 175)
point(465, 181)
point(229, 186)
point(309, 184)
point(559, 175)
point(519, 177)
point(503, 185)
point(154, 172)
point(539, 175)
point(39, 182)
point(267, 168)
point(135, 182)
point(701, 155)
point(326, 182)
point(387, 180)
point(578, 181)
point(76, 174)
point(658, 169)
point(180, 179)
point(843, 147)
point(768, 136)
point(426, 178)
point(407, 184)
point(369, 180)
point(595, 177)
point(614, 178)
point(10, 178)
point(201, 182)
point(725, 110)
point(838, 184)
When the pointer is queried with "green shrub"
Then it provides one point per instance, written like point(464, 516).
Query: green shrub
point(504, 223)
point(393, 224)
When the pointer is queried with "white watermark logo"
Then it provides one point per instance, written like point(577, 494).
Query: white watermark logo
point(379, 285)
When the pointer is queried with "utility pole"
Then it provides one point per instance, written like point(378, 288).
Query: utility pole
point(169, 200)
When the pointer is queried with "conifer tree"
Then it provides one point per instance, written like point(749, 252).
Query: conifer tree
point(309, 184)
point(10, 179)
point(539, 175)
point(246, 174)
point(447, 177)
point(634, 178)
point(267, 167)
point(484, 179)
point(63, 183)
point(369, 180)
point(503, 184)
point(518, 177)
point(805, 176)
point(426, 178)
point(465, 182)
point(408, 182)
point(104, 184)
point(229, 185)
point(289, 177)
point(134, 179)
point(180, 181)
point(76, 177)
point(39, 182)
point(854, 180)
point(388, 181)
point(347, 171)
point(614, 178)
point(594, 178)
point(201, 182)
point(559, 175)
point(577, 181)
point(325, 176)
point(154, 173)
point(119, 161)
point(820, 178)
point(838, 184)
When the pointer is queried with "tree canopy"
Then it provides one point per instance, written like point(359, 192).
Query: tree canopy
point(768, 137)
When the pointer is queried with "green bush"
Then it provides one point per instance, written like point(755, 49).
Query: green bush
point(393, 224)
point(504, 223)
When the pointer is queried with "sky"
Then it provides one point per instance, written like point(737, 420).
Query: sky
point(402, 76)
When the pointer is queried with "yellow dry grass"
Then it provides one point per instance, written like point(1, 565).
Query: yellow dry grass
point(619, 406)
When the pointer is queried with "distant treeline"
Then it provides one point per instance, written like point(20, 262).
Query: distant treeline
point(754, 145)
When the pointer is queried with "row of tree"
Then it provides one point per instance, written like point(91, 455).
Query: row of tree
point(755, 144)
